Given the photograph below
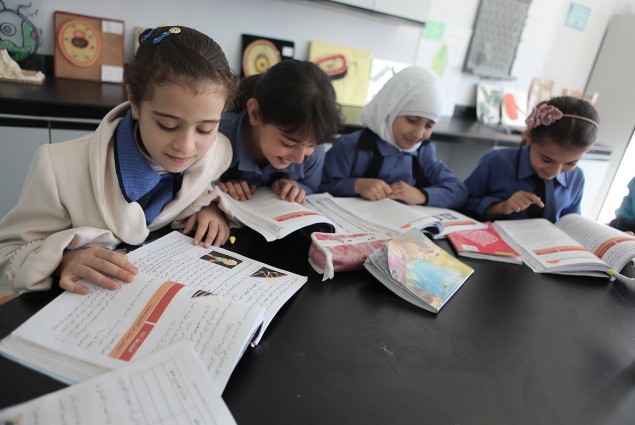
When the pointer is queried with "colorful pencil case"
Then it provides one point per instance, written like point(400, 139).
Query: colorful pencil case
point(338, 252)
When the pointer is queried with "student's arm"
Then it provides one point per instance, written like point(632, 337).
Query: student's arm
point(478, 183)
point(342, 166)
point(444, 189)
point(626, 212)
point(34, 235)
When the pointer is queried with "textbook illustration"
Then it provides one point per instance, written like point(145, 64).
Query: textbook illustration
point(575, 245)
point(416, 269)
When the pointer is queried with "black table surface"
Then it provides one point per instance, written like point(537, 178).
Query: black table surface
point(511, 347)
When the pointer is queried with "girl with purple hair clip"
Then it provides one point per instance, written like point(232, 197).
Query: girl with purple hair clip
point(539, 178)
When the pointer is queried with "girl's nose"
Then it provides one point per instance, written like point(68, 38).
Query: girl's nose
point(184, 141)
point(554, 170)
point(299, 153)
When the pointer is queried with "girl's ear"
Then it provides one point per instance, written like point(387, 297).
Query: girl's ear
point(253, 111)
point(133, 106)
point(527, 137)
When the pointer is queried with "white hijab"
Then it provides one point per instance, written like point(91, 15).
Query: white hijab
point(414, 91)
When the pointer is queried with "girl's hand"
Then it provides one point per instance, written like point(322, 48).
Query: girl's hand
point(289, 190)
point(402, 191)
point(97, 265)
point(237, 189)
point(518, 202)
point(372, 189)
point(211, 220)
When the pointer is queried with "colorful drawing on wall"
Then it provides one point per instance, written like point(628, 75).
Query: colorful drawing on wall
point(514, 109)
point(348, 68)
point(442, 48)
point(488, 103)
point(261, 53)
point(19, 28)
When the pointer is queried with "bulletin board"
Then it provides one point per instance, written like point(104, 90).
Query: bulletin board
point(496, 36)
point(88, 48)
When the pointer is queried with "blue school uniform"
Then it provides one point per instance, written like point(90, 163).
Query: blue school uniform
point(625, 219)
point(500, 173)
point(347, 161)
point(243, 167)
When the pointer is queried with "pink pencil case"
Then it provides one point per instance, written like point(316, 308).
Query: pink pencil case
point(338, 252)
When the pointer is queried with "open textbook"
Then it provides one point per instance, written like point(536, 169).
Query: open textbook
point(272, 217)
point(574, 245)
point(168, 386)
point(452, 221)
point(416, 269)
point(359, 215)
point(219, 300)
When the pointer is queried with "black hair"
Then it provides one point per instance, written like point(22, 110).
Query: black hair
point(187, 56)
point(570, 131)
point(295, 96)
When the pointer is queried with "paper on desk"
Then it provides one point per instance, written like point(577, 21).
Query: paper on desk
point(168, 386)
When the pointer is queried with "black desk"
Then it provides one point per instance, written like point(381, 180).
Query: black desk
point(511, 347)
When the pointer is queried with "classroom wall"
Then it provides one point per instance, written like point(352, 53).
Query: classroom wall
point(548, 48)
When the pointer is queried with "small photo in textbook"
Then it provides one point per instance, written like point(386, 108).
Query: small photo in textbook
point(415, 268)
point(221, 259)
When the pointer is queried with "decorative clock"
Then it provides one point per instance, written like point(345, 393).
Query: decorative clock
point(80, 42)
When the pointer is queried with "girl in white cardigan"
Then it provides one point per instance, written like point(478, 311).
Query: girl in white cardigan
point(149, 164)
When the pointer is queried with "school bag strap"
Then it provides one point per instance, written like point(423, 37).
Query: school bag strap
point(234, 173)
point(368, 142)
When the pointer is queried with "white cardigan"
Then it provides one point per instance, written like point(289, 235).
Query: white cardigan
point(71, 198)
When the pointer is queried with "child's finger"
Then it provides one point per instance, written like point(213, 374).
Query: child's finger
point(245, 189)
point(535, 199)
point(284, 190)
point(200, 233)
point(68, 284)
point(189, 224)
point(120, 260)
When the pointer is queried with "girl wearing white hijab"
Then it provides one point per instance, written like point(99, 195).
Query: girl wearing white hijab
point(392, 156)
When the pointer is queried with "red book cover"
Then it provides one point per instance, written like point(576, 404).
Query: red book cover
point(485, 244)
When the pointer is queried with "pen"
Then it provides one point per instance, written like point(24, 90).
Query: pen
point(615, 275)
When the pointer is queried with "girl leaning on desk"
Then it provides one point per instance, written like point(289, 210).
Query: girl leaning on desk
point(539, 178)
point(148, 165)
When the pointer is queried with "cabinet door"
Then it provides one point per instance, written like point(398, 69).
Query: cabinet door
point(17, 146)
point(417, 10)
